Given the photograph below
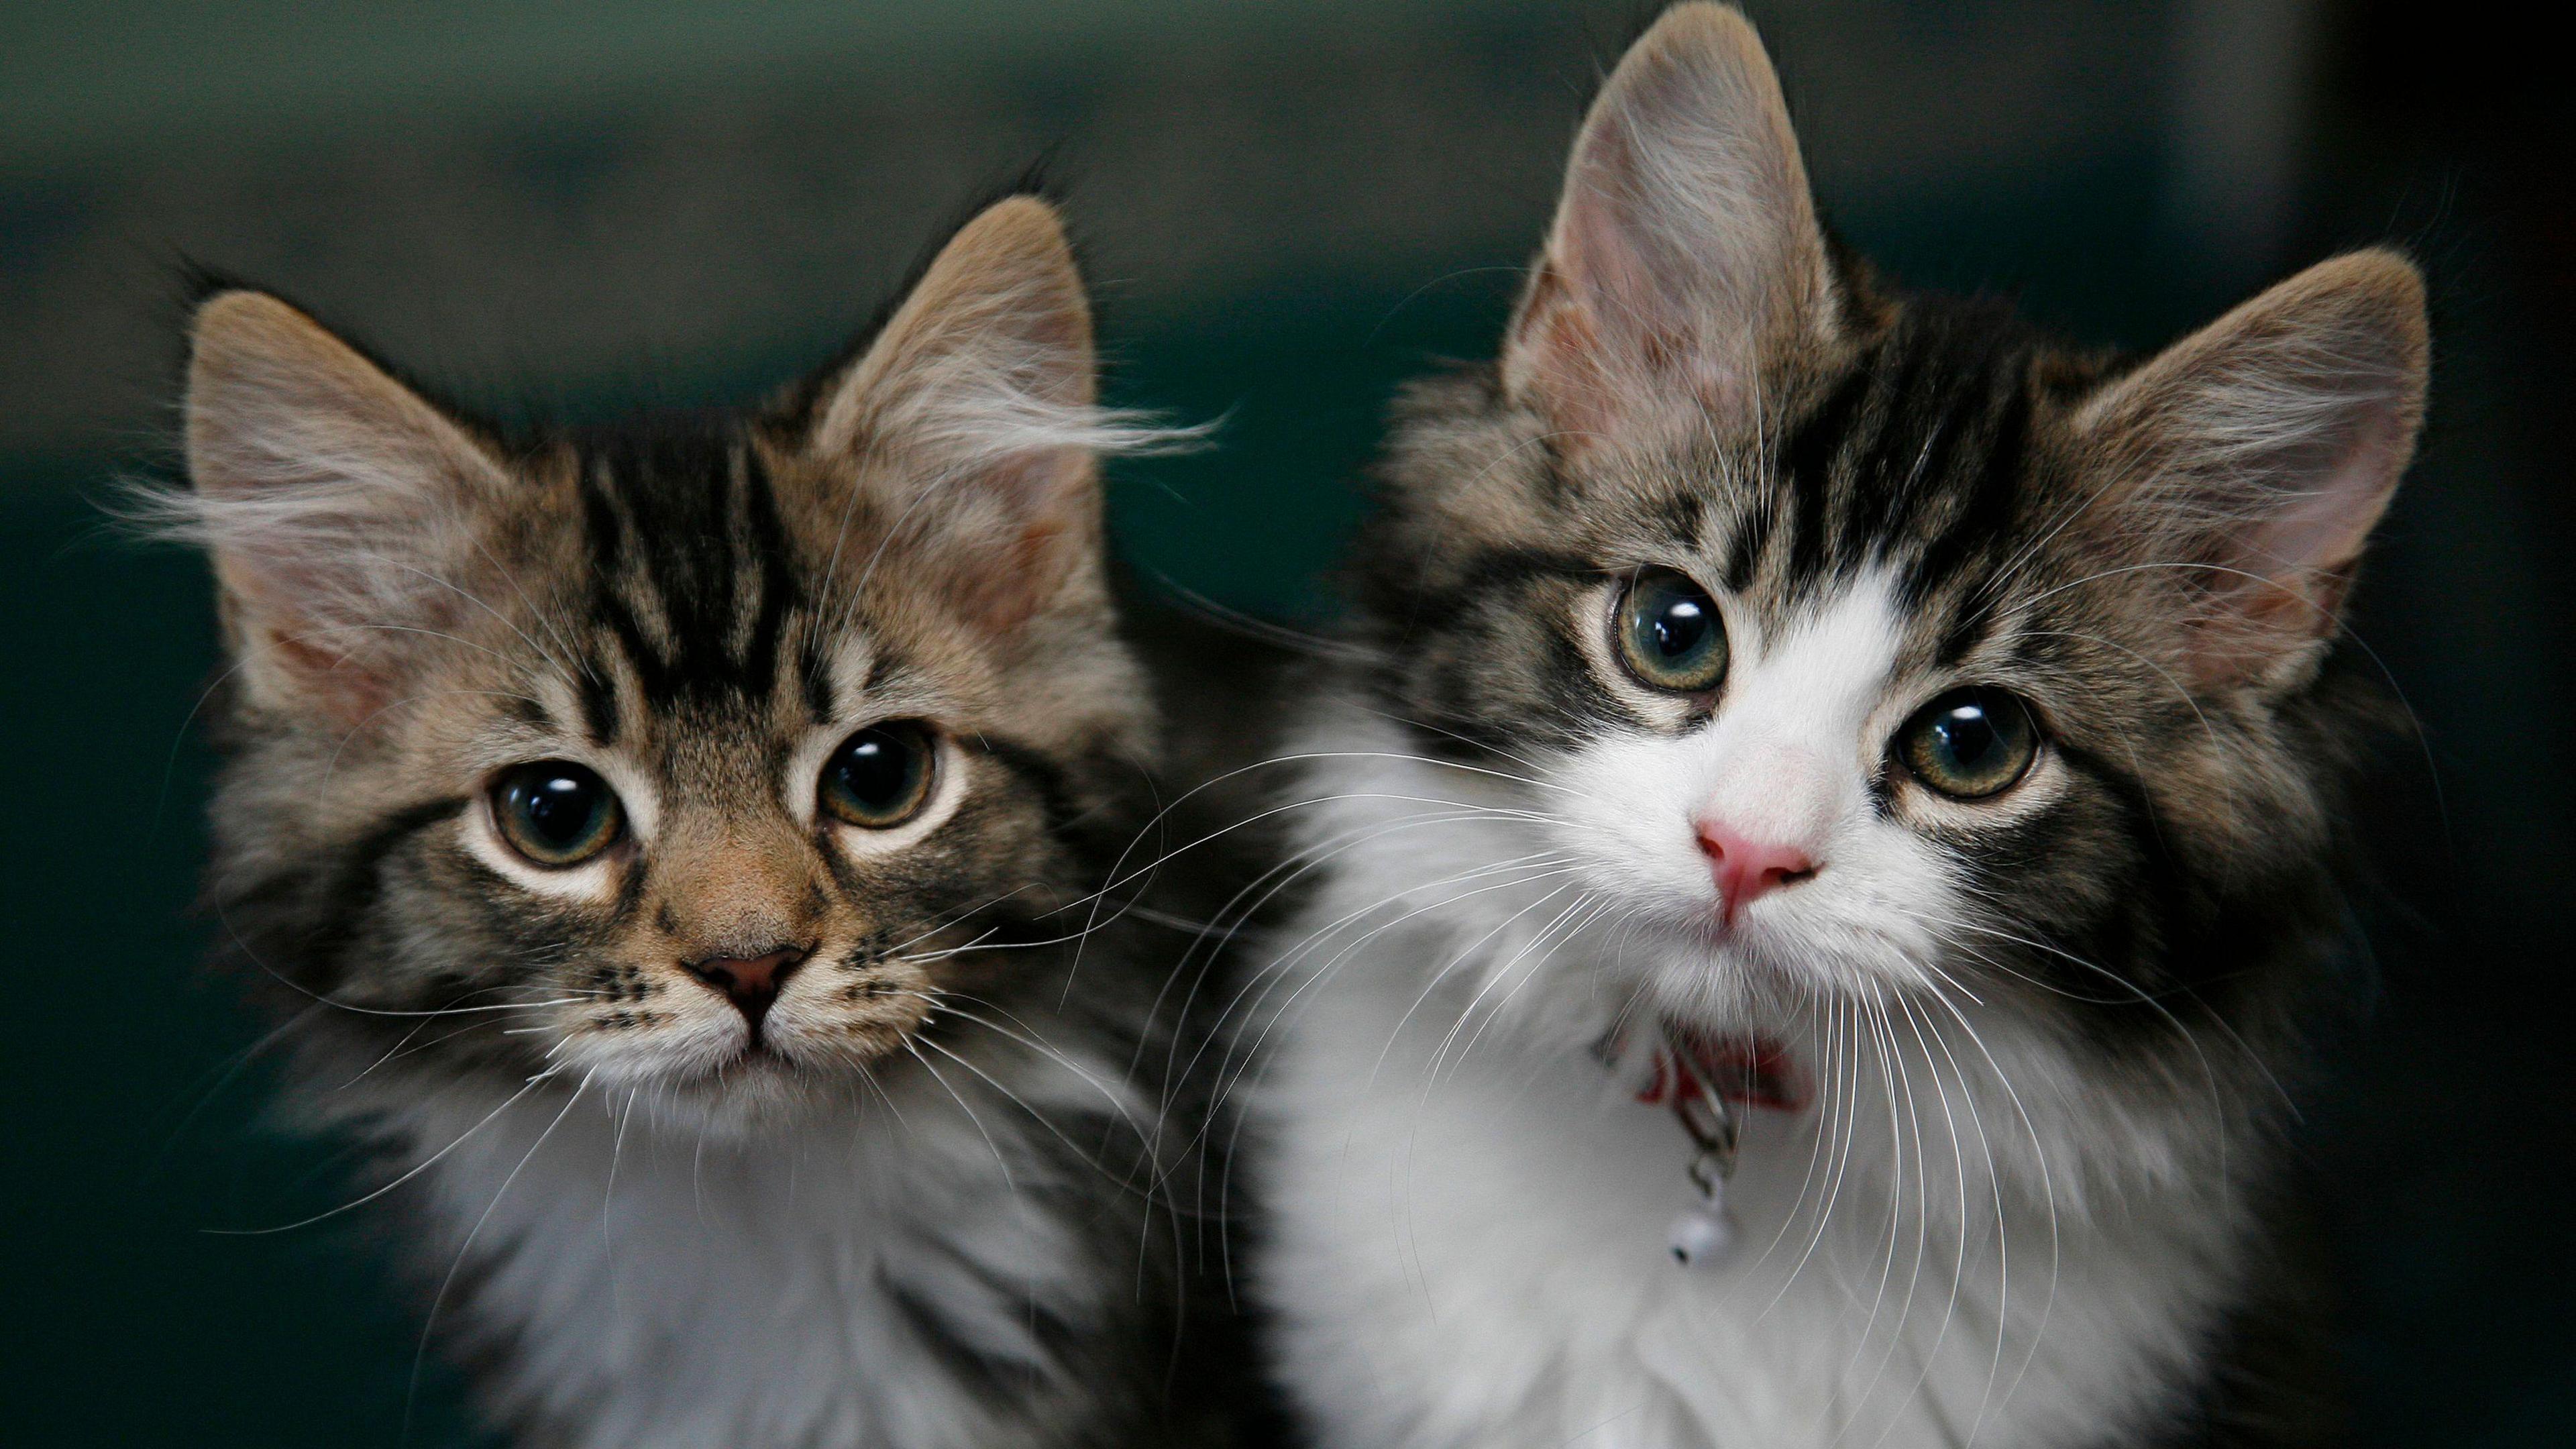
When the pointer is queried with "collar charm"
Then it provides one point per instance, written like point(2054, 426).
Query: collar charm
point(1708, 1083)
point(1705, 1232)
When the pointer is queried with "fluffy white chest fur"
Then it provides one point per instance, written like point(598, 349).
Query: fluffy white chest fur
point(1475, 1254)
point(862, 1278)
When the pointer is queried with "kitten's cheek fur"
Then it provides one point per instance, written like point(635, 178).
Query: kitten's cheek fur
point(838, 1021)
point(683, 1042)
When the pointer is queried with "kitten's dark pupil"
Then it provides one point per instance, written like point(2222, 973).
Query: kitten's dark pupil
point(1968, 737)
point(557, 813)
point(876, 774)
point(1671, 634)
point(873, 770)
point(561, 809)
point(1680, 628)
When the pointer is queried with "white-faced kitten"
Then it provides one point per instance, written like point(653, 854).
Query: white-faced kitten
point(677, 848)
point(1825, 856)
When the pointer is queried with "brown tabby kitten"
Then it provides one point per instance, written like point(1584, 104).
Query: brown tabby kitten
point(682, 850)
point(1826, 846)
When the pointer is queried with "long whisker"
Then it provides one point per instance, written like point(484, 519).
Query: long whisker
point(1001, 1160)
point(2048, 1183)
point(469, 596)
point(1278, 973)
point(948, 1004)
point(1495, 975)
point(1441, 973)
point(223, 1075)
point(1317, 861)
point(1016, 1100)
point(416, 1169)
point(1253, 1051)
point(429, 1325)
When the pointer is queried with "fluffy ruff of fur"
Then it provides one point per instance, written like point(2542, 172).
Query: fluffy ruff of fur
point(944, 1260)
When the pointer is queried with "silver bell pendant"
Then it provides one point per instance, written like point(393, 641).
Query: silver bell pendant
point(1703, 1234)
point(1706, 1232)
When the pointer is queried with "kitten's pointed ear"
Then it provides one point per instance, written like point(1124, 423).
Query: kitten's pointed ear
point(1685, 255)
point(2260, 451)
point(977, 408)
point(334, 500)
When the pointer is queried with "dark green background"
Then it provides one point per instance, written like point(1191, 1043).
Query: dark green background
point(128, 1088)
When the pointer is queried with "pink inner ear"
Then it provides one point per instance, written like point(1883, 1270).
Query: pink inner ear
point(347, 661)
point(1683, 250)
point(349, 691)
point(1608, 343)
point(1564, 366)
point(2294, 566)
point(2324, 528)
point(1041, 536)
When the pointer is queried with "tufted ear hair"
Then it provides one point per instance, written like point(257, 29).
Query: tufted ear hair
point(1685, 256)
point(2258, 453)
point(977, 408)
point(336, 503)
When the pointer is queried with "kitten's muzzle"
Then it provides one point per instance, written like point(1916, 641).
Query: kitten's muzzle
point(751, 983)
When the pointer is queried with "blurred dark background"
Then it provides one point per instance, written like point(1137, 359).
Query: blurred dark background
point(585, 205)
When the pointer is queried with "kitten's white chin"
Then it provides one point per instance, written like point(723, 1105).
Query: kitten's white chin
point(747, 1092)
point(1743, 977)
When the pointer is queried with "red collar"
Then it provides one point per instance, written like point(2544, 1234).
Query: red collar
point(1753, 1070)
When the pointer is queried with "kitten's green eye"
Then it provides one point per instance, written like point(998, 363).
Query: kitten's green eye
point(1670, 634)
point(880, 777)
point(556, 813)
point(1969, 743)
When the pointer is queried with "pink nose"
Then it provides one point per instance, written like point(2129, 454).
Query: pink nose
point(1745, 868)
point(750, 982)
